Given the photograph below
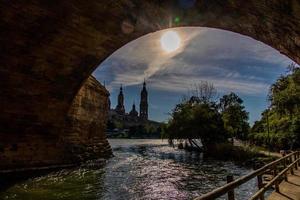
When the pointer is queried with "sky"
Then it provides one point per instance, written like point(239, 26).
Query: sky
point(230, 61)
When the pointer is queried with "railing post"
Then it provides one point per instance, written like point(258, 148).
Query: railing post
point(275, 170)
point(296, 164)
point(285, 174)
point(292, 170)
point(276, 186)
point(276, 181)
point(231, 192)
point(260, 185)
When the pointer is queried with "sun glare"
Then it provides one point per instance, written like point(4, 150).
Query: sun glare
point(170, 41)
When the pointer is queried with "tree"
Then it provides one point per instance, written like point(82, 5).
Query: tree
point(284, 114)
point(204, 92)
point(234, 116)
point(197, 118)
point(285, 92)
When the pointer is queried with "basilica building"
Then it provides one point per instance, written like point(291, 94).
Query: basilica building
point(119, 113)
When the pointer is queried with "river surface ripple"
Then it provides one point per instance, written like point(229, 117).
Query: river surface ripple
point(140, 169)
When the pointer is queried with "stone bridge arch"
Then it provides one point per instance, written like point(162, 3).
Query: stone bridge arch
point(50, 48)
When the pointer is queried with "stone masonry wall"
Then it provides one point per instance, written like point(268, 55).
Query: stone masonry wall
point(83, 137)
point(86, 122)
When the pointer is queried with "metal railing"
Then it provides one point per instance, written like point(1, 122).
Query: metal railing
point(285, 164)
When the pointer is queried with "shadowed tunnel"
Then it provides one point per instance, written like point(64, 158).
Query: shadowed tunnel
point(50, 48)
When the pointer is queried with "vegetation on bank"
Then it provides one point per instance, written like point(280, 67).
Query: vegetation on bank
point(200, 117)
point(279, 126)
point(249, 156)
point(200, 122)
point(120, 129)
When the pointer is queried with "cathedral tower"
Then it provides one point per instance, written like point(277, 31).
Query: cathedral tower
point(120, 109)
point(144, 103)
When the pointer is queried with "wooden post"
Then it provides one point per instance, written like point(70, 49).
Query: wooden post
point(276, 181)
point(260, 185)
point(275, 170)
point(276, 186)
point(285, 174)
point(231, 192)
point(296, 164)
point(292, 170)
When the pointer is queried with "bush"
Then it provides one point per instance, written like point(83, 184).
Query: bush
point(226, 151)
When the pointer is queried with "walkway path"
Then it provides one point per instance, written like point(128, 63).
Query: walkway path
point(289, 190)
point(265, 152)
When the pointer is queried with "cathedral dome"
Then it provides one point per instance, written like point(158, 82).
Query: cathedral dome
point(133, 111)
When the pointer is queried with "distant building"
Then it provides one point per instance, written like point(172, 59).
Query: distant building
point(133, 112)
point(120, 109)
point(144, 103)
point(119, 113)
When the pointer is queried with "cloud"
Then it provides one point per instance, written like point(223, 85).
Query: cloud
point(182, 84)
point(230, 61)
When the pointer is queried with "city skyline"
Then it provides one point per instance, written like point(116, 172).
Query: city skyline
point(232, 62)
point(120, 108)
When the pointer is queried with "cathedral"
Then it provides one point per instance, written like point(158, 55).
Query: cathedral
point(133, 116)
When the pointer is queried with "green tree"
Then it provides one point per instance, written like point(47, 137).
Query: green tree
point(196, 121)
point(283, 115)
point(285, 92)
point(234, 116)
point(197, 118)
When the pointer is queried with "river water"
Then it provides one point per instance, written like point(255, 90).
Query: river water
point(140, 169)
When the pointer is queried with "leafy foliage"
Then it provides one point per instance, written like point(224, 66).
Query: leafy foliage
point(234, 116)
point(282, 119)
point(200, 118)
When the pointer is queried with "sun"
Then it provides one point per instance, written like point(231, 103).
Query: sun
point(170, 41)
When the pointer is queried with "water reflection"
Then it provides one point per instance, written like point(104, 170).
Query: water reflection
point(141, 169)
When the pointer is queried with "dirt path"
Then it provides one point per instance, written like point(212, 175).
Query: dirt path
point(265, 152)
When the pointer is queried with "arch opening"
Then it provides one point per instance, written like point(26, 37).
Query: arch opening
point(233, 62)
point(49, 54)
point(215, 59)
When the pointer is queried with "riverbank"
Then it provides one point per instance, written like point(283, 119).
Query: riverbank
point(10, 177)
point(243, 155)
point(246, 155)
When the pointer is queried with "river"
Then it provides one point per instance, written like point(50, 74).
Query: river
point(140, 169)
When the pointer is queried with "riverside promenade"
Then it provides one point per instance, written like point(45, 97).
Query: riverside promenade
point(288, 190)
point(285, 180)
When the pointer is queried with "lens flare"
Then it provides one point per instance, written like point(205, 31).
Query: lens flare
point(170, 41)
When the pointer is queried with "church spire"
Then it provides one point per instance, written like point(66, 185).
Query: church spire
point(144, 103)
point(120, 107)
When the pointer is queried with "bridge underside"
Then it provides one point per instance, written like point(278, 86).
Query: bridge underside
point(50, 48)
